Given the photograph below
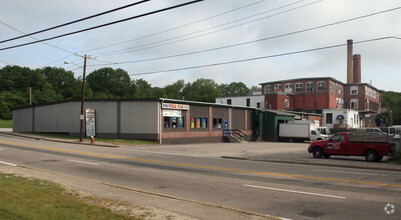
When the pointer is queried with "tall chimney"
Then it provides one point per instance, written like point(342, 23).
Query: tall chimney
point(357, 68)
point(350, 77)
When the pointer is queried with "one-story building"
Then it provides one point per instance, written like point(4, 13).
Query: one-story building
point(162, 120)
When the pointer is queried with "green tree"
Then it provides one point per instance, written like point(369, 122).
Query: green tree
point(234, 89)
point(175, 90)
point(205, 90)
point(62, 81)
point(392, 100)
point(8, 101)
point(109, 83)
point(142, 89)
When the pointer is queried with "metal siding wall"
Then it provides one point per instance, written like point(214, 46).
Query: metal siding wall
point(62, 117)
point(22, 120)
point(139, 117)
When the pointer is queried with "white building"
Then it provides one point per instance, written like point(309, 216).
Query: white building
point(341, 118)
point(254, 99)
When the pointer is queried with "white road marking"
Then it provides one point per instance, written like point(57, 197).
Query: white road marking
point(77, 161)
point(11, 164)
point(293, 191)
point(334, 171)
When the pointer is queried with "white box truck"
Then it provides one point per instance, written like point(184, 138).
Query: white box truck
point(299, 132)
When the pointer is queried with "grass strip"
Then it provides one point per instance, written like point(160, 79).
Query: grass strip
point(28, 198)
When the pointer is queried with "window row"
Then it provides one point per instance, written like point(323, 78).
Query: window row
point(196, 122)
point(299, 87)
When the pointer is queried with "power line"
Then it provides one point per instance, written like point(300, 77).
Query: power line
point(104, 25)
point(76, 21)
point(260, 58)
point(137, 48)
point(65, 50)
point(262, 39)
point(175, 28)
point(5, 62)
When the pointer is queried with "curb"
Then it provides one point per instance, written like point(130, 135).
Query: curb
point(314, 163)
point(57, 140)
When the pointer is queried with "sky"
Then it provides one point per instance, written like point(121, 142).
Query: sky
point(253, 41)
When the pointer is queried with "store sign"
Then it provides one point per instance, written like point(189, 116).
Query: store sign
point(90, 115)
point(171, 113)
point(175, 106)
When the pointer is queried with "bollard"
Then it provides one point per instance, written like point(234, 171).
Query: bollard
point(92, 139)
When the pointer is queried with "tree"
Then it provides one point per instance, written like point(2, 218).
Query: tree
point(205, 90)
point(63, 82)
point(142, 89)
point(234, 89)
point(8, 101)
point(109, 83)
point(175, 90)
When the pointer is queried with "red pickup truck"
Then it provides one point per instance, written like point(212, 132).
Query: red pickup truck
point(340, 144)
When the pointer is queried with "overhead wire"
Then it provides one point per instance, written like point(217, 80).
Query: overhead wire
point(103, 25)
point(261, 57)
point(75, 21)
point(262, 39)
point(148, 46)
point(59, 48)
point(175, 28)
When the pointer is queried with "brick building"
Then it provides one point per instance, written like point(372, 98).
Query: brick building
point(304, 94)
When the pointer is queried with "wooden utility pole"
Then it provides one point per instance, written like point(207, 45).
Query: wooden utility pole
point(82, 117)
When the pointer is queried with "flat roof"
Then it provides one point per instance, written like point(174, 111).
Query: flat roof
point(299, 79)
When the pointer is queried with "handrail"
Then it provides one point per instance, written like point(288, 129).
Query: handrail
point(237, 133)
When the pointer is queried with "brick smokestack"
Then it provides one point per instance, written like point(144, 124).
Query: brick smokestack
point(350, 69)
point(357, 68)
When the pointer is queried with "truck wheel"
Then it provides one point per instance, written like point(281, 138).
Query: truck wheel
point(317, 152)
point(371, 156)
point(327, 156)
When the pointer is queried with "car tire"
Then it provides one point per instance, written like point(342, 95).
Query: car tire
point(371, 156)
point(317, 152)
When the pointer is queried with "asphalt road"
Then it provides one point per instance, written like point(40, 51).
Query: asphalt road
point(212, 188)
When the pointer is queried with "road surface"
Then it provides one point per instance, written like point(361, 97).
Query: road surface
point(212, 188)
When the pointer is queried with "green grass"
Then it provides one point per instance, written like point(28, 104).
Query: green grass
point(23, 198)
point(6, 123)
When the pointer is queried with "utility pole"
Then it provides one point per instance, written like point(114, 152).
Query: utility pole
point(81, 130)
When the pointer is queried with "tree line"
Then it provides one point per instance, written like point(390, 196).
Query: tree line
point(51, 84)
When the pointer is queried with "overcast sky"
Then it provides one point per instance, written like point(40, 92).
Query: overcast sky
point(201, 29)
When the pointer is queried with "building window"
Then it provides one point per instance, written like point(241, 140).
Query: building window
point(228, 101)
point(310, 86)
point(174, 122)
point(258, 105)
point(286, 103)
point(248, 102)
point(354, 103)
point(288, 87)
point(278, 87)
point(354, 90)
point(268, 89)
point(299, 87)
point(329, 118)
point(198, 122)
point(321, 86)
point(217, 123)
point(332, 87)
